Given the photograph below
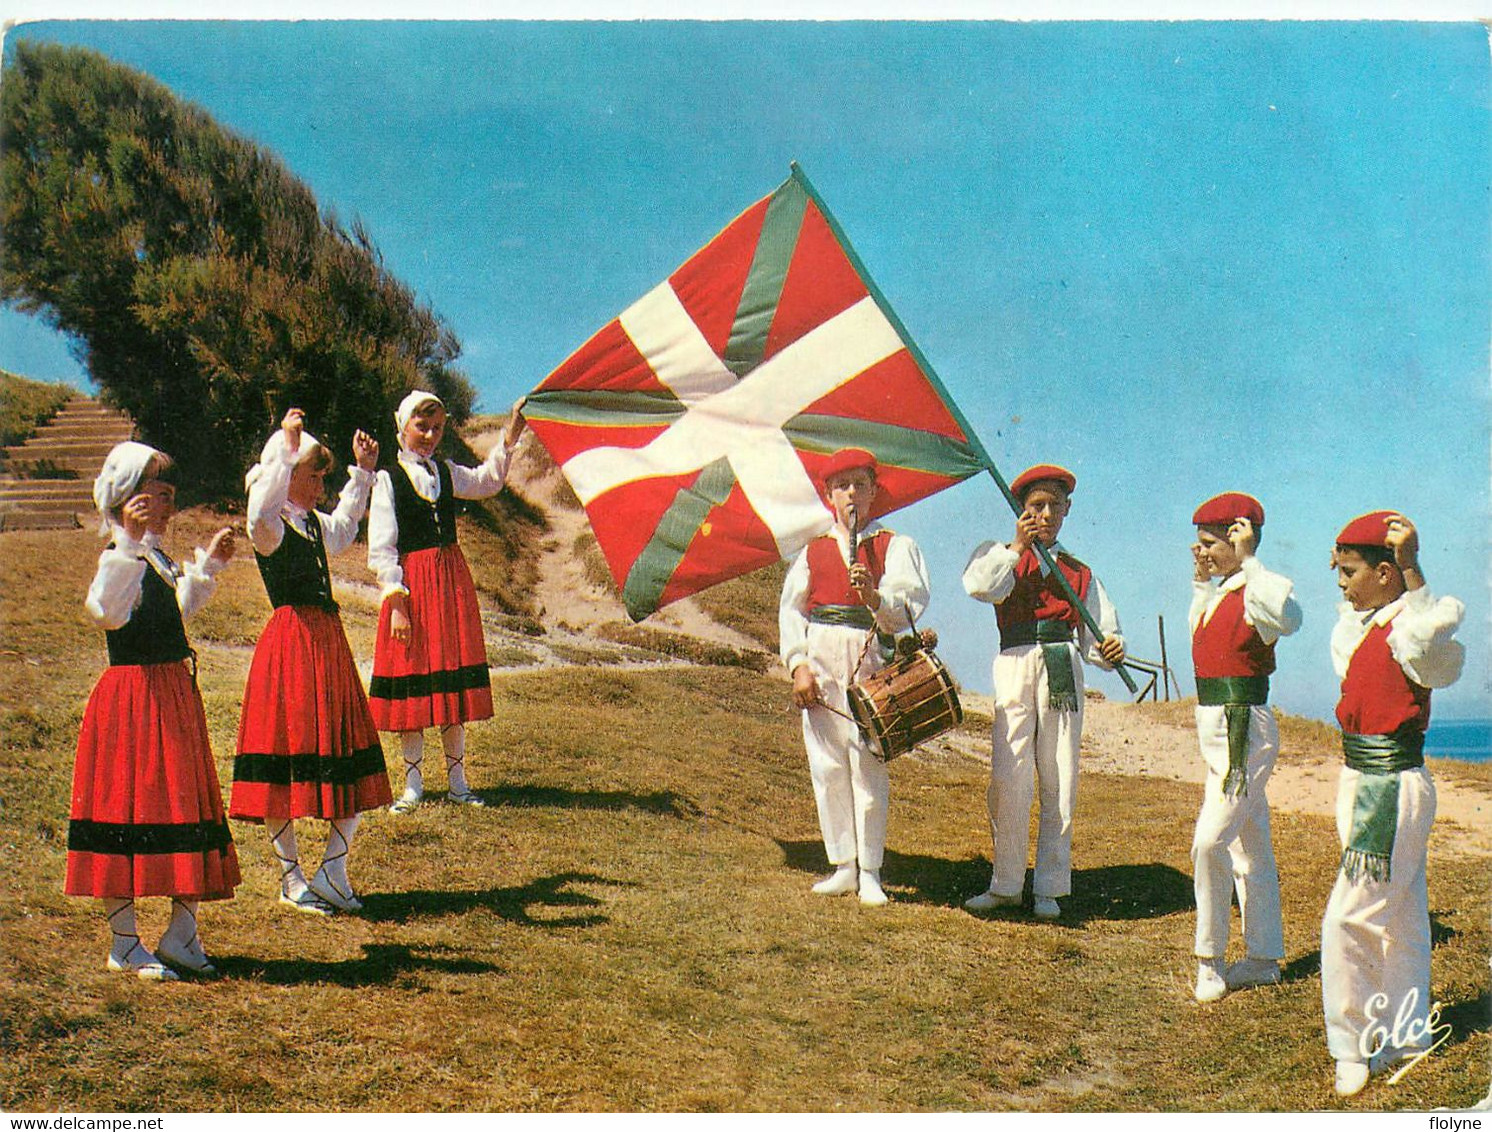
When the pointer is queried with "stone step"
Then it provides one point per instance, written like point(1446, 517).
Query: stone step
point(46, 506)
point(58, 450)
point(10, 486)
point(81, 466)
point(38, 521)
point(112, 431)
point(81, 406)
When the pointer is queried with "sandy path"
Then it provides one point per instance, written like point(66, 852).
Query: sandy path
point(567, 600)
point(1118, 740)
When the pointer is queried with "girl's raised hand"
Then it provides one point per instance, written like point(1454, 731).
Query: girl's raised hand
point(222, 545)
point(364, 450)
point(293, 424)
point(135, 516)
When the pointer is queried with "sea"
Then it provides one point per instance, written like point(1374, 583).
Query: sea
point(1469, 740)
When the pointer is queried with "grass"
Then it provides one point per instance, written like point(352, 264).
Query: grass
point(27, 404)
point(748, 604)
point(628, 927)
point(684, 647)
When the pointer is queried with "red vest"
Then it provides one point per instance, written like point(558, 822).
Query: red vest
point(1377, 698)
point(829, 577)
point(1039, 598)
point(1227, 645)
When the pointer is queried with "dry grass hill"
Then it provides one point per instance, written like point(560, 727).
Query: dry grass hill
point(627, 925)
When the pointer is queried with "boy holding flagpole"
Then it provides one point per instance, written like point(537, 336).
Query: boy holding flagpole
point(1038, 690)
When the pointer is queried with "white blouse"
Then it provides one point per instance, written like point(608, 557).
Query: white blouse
point(383, 528)
point(115, 592)
point(1421, 640)
point(270, 509)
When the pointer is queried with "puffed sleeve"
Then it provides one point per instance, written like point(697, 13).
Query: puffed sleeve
point(339, 529)
point(198, 582)
point(485, 480)
point(792, 614)
point(1202, 595)
point(383, 538)
point(267, 496)
point(904, 585)
point(1422, 638)
point(115, 590)
point(1107, 617)
point(990, 574)
point(1269, 603)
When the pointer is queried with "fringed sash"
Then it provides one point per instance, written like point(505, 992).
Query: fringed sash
point(1375, 803)
point(1235, 695)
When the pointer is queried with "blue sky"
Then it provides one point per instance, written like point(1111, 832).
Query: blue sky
point(1179, 258)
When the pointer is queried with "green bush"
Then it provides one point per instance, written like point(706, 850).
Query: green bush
point(25, 404)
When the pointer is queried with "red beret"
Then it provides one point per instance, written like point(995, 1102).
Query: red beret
point(1367, 530)
point(847, 460)
point(1043, 472)
point(1222, 510)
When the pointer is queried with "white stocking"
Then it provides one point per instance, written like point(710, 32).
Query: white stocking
point(412, 745)
point(282, 841)
point(453, 740)
point(182, 930)
point(121, 914)
point(338, 846)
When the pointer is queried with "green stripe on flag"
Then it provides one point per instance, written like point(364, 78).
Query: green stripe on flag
point(892, 444)
point(653, 568)
point(603, 408)
point(763, 290)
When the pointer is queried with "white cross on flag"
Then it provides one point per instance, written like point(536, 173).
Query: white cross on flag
point(692, 426)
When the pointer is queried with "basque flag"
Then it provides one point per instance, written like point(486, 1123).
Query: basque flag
point(693, 425)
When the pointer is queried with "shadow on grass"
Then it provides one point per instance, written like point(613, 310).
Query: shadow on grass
point(381, 964)
point(664, 802)
point(1113, 892)
point(518, 904)
point(1467, 1018)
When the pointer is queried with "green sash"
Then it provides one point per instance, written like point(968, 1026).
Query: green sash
point(1053, 637)
point(1235, 695)
point(1375, 802)
point(856, 617)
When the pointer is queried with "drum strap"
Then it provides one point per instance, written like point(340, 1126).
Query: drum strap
point(856, 617)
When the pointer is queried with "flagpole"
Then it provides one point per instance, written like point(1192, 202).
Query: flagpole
point(969, 433)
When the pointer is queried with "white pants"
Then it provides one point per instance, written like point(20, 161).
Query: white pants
point(1035, 747)
point(850, 785)
point(1375, 937)
point(1232, 847)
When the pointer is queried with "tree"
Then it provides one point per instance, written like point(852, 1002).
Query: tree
point(206, 289)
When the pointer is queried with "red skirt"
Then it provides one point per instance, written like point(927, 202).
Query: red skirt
point(307, 747)
point(440, 677)
point(147, 814)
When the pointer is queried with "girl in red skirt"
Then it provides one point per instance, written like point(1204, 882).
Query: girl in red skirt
point(430, 663)
point(307, 747)
point(147, 816)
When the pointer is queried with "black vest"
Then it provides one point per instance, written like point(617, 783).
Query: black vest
point(423, 524)
point(296, 573)
point(154, 633)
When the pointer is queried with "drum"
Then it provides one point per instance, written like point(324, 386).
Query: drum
point(908, 702)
